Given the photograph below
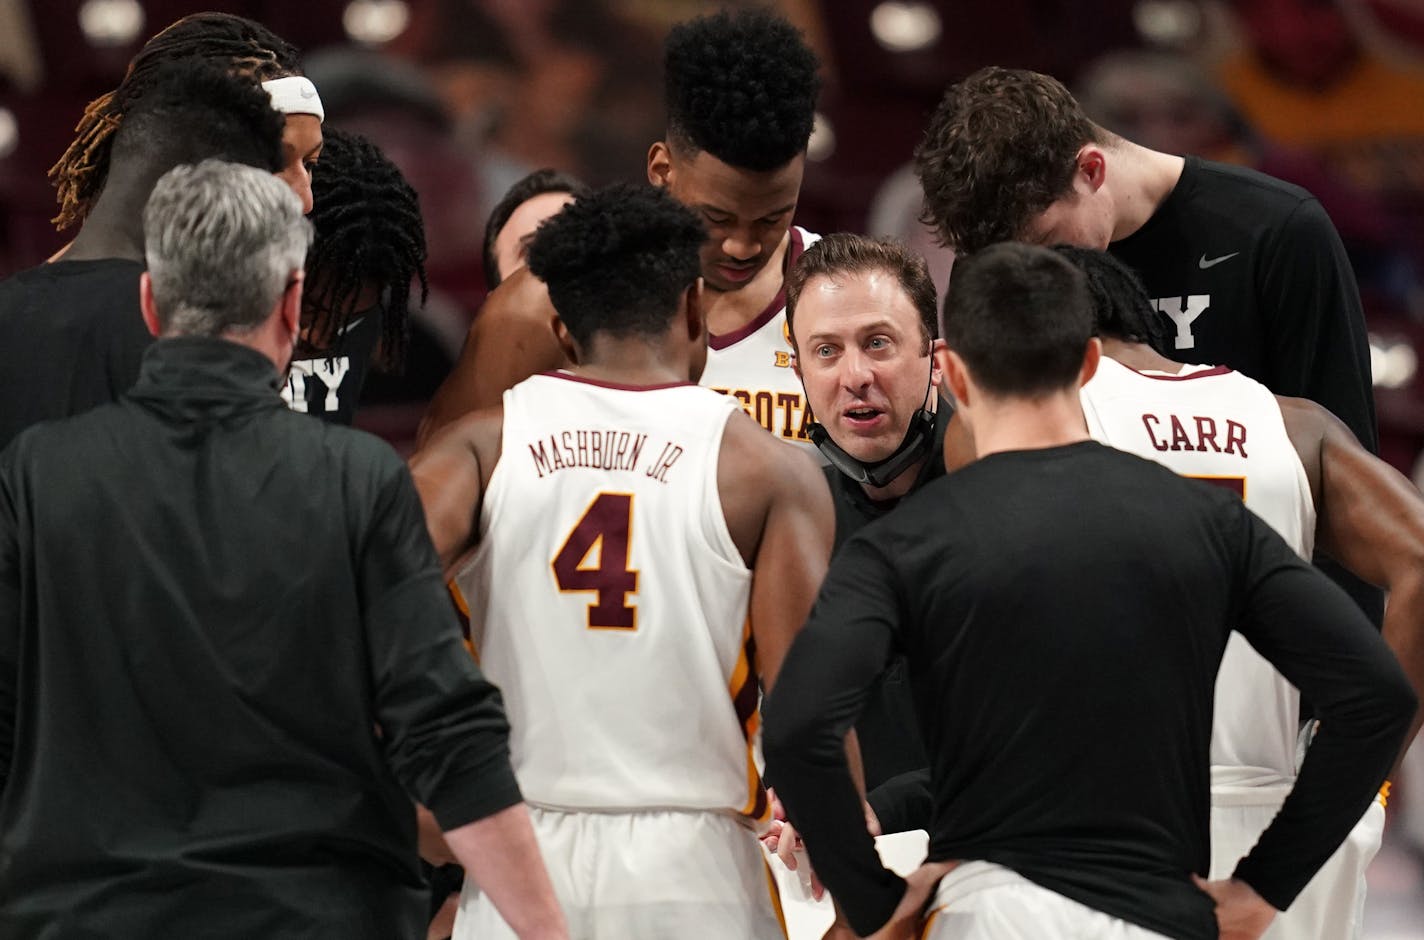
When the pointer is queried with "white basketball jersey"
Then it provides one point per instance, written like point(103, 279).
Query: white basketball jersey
point(1224, 428)
point(753, 364)
point(608, 601)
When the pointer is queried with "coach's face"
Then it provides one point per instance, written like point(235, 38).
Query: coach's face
point(746, 212)
point(864, 360)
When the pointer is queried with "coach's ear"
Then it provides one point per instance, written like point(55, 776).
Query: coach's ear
point(147, 305)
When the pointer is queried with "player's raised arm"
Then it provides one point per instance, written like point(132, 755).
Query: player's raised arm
point(451, 472)
point(511, 339)
point(1371, 520)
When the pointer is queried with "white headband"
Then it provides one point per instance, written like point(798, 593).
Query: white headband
point(294, 94)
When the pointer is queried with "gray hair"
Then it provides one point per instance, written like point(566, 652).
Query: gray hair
point(222, 241)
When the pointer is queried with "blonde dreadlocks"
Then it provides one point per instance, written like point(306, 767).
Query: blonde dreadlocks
point(249, 48)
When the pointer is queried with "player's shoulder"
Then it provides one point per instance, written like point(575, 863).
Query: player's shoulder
point(1248, 195)
point(775, 464)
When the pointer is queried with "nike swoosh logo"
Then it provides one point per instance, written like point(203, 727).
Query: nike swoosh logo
point(306, 93)
point(1204, 263)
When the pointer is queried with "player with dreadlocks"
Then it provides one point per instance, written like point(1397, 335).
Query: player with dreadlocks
point(241, 45)
point(741, 98)
point(369, 249)
point(71, 331)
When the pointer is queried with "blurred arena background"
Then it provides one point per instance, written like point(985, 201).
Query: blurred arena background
point(468, 95)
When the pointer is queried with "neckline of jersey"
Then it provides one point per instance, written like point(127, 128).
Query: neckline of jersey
point(793, 254)
point(619, 386)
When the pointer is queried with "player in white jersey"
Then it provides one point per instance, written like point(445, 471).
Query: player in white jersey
point(634, 552)
point(741, 97)
point(754, 363)
point(1289, 459)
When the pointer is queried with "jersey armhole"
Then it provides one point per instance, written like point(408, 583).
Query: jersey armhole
point(714, 528)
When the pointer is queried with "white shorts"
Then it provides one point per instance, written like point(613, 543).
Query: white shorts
point(1332, 906)
point(984, 901)
point(645, 876)
point(808, 918)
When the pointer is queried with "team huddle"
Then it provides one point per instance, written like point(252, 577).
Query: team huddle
point(765, 552)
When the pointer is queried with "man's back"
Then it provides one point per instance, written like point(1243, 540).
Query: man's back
point(609, 600)
point(222, 601)
point(1042, 576)
point(74, 338)
point(1042, 648)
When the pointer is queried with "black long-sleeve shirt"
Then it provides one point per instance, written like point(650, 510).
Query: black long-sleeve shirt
point(1064, 612)
point(227, 664)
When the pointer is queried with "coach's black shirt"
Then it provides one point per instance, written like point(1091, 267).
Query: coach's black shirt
point(71, 337)
point(227, 664)
point(1063, 612)
point(887, 730)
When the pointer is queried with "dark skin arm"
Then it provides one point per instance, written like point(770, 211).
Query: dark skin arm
point(779, 513)
point(780, 516)
point(1370, 519)
point(511, 338)
point(451, 473)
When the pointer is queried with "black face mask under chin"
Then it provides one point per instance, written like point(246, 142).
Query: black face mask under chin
point(918, 438)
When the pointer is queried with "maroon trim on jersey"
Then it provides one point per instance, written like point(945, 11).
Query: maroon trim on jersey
point(620, 386)
point(793, 255)
point(1214, 370)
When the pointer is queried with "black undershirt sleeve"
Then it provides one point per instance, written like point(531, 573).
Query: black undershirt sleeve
point(822, 686)
point(443, 725)
point(904, 802)
point(1310, 630)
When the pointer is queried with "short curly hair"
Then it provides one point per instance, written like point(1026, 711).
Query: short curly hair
point(1001, 147)
point(741, 86)
point(617, 260)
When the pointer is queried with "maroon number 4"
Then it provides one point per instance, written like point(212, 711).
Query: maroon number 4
point(608, 524)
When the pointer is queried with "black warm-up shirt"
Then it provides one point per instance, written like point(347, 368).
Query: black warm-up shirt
point(1250, 273)
point(228, 663)
point(1063, 612)
point(72, 337)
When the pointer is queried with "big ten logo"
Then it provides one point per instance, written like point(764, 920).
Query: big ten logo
point(782, 358)
point(782, 413)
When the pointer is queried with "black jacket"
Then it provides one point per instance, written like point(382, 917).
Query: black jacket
point(227, 664)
